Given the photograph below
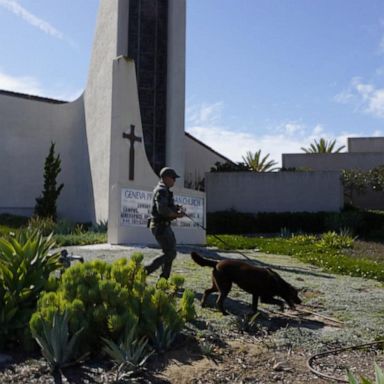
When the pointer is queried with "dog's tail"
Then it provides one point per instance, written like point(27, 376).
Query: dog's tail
point(202, 261)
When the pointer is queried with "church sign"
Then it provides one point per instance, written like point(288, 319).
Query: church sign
point(136, 209)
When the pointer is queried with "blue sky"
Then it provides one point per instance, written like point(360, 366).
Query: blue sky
point(261, 74)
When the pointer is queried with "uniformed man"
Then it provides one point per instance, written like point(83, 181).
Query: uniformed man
point(163, 212)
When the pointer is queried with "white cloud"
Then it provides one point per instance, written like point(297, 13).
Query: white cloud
point(365, 97)
point(31, 19)
point(22, 84)
point(31, 86)
point(288, 137)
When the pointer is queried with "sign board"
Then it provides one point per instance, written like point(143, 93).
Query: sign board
point(136, 209)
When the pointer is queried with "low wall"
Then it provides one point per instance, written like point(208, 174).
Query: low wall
point(274, 191)
point(366, 144)
point(333, 161)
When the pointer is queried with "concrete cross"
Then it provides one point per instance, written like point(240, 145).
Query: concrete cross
point(132, 138)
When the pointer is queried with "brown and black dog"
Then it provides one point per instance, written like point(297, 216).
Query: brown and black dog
point(260, 282)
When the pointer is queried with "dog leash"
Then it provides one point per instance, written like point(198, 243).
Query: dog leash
point(218, 238)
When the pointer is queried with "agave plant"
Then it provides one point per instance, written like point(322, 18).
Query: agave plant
point(56, 345)
point(163, 337)
point(130, 354)
point(379, 377)
point(25, 266)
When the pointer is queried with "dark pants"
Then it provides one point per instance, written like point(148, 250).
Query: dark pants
point(167, 241)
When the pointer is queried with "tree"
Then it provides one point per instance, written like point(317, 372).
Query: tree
point(323, 146)
point(229, 167)
point(355, 180)
point(256, 163)
point(46, 204)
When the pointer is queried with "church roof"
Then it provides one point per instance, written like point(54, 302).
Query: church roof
point(31, 97)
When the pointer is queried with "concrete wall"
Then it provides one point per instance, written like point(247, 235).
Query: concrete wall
point(98, 100)
point(332, 161)
point(25, 141)
point(366, 144)
point(176, 85)
point(199, 158)
point(252, 192)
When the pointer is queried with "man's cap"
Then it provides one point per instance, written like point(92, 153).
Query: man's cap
point(167, 171)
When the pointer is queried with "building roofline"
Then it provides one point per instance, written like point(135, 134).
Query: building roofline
point(209, 148)
point(31, 97)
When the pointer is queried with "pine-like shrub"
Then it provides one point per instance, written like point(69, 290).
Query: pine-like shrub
point(104, 299)
point(46, 203)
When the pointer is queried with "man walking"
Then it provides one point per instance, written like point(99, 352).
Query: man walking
point(163, 212)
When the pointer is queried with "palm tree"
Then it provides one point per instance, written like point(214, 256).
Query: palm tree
point(256, 163)
point(323, 146)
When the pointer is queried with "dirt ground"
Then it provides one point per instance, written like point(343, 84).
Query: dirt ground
point(272, 347)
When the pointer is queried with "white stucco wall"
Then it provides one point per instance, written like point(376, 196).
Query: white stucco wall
point(332, 161)
point(98, 101)
point(199, 159)
point(25, 142)
point(252, 192)
point(176, 85)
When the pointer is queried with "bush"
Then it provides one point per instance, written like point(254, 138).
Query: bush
point(25, 266)
point(104, 299)
point(13, 221)
point(45, 225)
point(365, 224)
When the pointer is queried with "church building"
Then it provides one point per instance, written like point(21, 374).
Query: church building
point(114, 139)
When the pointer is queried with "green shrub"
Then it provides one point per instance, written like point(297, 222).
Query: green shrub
point(335, 241)
point(45, 225)
point(104, 298)
point(187, 309)
point(13, 221)
point(365, 224)
point(100, 227)
point(231, 222)
point(80, 239)
point(25, 266)
point(64, 227)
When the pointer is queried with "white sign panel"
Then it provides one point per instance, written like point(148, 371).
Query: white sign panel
point(136, 209)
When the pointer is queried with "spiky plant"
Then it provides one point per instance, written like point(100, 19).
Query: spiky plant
point(379, 377)
point(256, 163)
point(130, 354)
point(163, 337)
point(56, 345)
point(323, 146)
point(26, 263)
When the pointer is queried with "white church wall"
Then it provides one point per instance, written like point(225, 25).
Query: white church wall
point(98, 102)
point(252, 192)
point(199, 159)
point(128, 217)
point(25, 142)
point(176, 85)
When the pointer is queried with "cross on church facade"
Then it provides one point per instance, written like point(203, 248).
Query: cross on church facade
point(132, 138)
